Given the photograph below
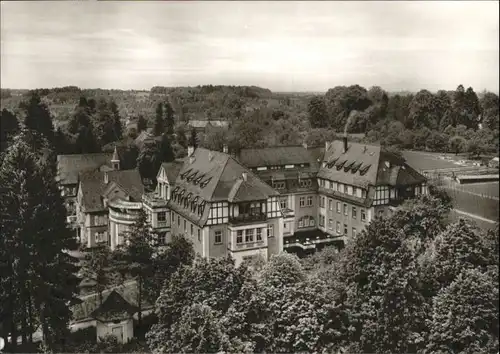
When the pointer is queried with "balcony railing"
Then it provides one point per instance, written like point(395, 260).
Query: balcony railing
point(160, 224)
point(154, 200)
point(247, 218)
point(245, 245)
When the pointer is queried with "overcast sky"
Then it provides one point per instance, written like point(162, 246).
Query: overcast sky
point(284, 46)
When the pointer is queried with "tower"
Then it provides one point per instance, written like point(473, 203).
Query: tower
point(115, 160)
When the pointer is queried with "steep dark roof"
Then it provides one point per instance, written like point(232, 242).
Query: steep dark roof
point(279, 155)
point(364, 165)
point(224, 182)
point(146, 137)
point(69, 166)
point(93, 187)
point(114, 308)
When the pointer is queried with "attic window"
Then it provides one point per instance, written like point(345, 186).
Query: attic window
point(340, 165)
point(190, 178)
point(193, 204)
point(198, 179)
point(356, 167)
point(364, 170)
point(349, 166)
point(201, 207)
point(205, 182)
point(185, 173)
point(331, 163)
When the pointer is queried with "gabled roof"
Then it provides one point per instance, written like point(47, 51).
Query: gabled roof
point(224, 181)
point(114, 308)
point(280, 155)
point(171, 170)
point(69, 166)
point(365, 156)
point(364, 165)
point(93, 187)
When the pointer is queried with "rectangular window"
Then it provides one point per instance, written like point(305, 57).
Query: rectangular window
point(321, 202)
point(99, 236)
point(249, 235)
point(331, 185)
point(239, 236)
point(309, 201)
point(330, 224)
point(259, 234)
point(302, 202)
point(354, 191)
point(185, 226)
point(321, 220)
point(339, 187)
point(345, 229)
point(284, 203)
point(270, 230)
point(178, 220)
point(338, 207)
point(162, 216)
point(345, 209)
point(218, 236)
point(172, 217)
point(338, 227)
point(192, 230)
point(353, 232)
point(334, 186)
point(330, 204)
point(363, 215)
point(354, 213)
point(199, 235)
point(363, 193)
point(311, 222)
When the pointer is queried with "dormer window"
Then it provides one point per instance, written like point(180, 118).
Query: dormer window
point(340, 165)
point(331, 163)
point(185, 173)
point(364, 170)
point(201, 208)
point(205, 182)
point(192, 176)
point(356, 167)
point(198, 179)
point(347, 167)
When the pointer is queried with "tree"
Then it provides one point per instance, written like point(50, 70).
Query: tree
point(134, 257)
point(96, 268)
point(341, 100)
point(168, 260)
point(193, 138)
point(181, 138)
point(142, 123)
point(40, 280)
point(214, 282)
point(169, 119)
point(460, 246)
point(159, 123)
point(317, 112)
point(166, 153)
point(9, 127)
point(116, 124)
point(465, 315)
point(378, 282)
point(473, 109)
point(38, 119)
point(423, 111)
point(148, 161)
point(437, 142)
point(489, 104)
point(457, 144)
point(86, 141)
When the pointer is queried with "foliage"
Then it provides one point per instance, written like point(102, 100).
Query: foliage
point(96, 268)
point(465, 315)
point(9, 127)
point(39, 279)
point(317, 112)
point(457, 144)
point(38, 119)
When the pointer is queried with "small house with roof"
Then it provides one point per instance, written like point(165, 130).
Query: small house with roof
point(115, 317)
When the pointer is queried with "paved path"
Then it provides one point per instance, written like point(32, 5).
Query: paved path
point(474, 216)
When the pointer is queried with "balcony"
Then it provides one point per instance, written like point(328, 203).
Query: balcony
point(153, 200)
point(234, 247)
point(247, 218)
point(160, 224)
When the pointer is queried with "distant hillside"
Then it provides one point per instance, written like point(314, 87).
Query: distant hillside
point(200, 102)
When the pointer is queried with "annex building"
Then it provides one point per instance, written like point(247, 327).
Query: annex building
point(255, 203)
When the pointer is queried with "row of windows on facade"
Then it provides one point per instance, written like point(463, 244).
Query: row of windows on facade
point(354, 210)
point(303, 183)
point(248, 234)
point(342, 188)
point(337, 229)
point(281, 167)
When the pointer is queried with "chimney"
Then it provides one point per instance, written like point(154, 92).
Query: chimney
point(304, 144)
point(190, 150)
point(245, 176)
point(106, 177)
point(344, 139)
point(327, 146)
point(225, 149)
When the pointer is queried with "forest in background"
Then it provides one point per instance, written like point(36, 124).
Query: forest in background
point(457, 121)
